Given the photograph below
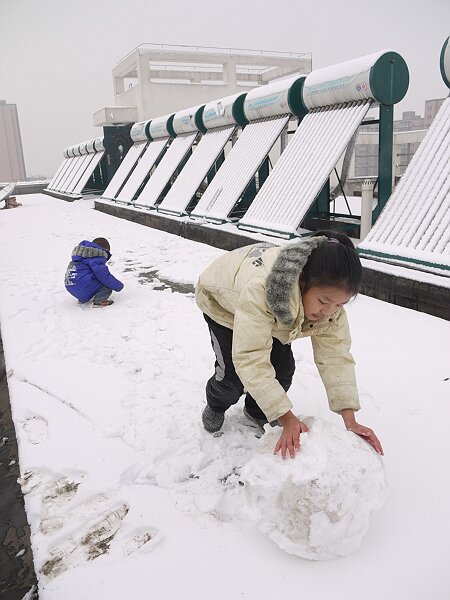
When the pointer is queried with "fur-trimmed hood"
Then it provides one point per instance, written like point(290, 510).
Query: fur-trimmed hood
point(86, 249)
point(285, 274)
point(271, 271)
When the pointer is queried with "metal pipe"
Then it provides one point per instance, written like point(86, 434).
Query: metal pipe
point(366, 207)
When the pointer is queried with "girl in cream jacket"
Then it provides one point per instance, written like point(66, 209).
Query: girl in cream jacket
point(258, 299)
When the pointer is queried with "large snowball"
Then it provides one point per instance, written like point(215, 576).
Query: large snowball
point(318, 505)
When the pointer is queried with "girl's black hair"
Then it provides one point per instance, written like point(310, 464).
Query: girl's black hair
point(334, 263)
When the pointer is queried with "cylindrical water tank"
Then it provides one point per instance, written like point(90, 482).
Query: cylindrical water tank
point(90, 146)
point(159, 127)
point(83, 147)
point(139, 131)
point(187, 120)
point(225, 111)
point(98, 145)
point(445, 62)
point(382, 76)
point(278, 98)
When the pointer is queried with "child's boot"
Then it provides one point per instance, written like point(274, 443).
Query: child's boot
point(102, 303)
point(212, 420)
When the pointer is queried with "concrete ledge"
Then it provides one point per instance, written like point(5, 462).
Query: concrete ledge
point(191, 230)
point(30, 188)
point(409, 293)
point(19, 188)
point(17, 575)
point(60, 195)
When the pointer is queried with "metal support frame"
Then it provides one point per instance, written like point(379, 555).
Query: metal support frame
point(322, 208)
point(97, 182)
point(252, 189)
point(385, 143)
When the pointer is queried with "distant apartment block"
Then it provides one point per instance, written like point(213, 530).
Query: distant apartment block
point(158, 79)
point(409, 131)
point(365, 162)
point(12, 164)
point(431, 108)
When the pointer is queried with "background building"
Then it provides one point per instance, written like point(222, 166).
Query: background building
point(431, 108)
point(12, 164)
point(409, 131)
point(155, 80)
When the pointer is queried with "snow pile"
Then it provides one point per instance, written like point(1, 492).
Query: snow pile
point(316, 506)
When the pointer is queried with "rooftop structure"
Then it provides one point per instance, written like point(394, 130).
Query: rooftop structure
point(158, 79)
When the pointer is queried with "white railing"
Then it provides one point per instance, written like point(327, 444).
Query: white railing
point(218, 50)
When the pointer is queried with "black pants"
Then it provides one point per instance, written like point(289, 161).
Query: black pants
point(225, 388)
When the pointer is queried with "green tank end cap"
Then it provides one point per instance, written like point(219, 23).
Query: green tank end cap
point(147, 131)
point(198, 120)
point(445, 75)
point(389, 78)
point(295, 98)
point(170, 128)
point(238, 111)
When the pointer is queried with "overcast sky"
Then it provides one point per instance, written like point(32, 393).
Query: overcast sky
point(56, 57)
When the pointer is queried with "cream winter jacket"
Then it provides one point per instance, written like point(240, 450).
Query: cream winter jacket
point(255, 291)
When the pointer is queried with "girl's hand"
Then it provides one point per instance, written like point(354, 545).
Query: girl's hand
point(290, 437)
point(368, 435)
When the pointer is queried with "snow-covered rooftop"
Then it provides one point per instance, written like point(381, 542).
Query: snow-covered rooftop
point(107, 408)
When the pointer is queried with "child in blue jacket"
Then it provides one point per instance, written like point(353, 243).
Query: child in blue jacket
point(88, 277)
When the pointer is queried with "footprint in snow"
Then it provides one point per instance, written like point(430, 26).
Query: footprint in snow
point(90, 545)
point(36, 429)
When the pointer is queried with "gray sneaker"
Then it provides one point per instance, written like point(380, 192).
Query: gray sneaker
point(212, 420)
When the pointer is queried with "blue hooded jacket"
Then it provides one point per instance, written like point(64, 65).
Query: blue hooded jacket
point(87, 272)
